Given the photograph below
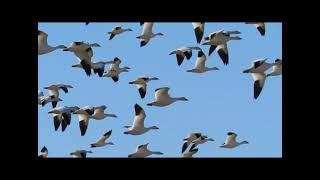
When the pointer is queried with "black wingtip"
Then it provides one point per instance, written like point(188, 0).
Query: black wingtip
point(143, 43)
point(108, 133)
point(93, 146)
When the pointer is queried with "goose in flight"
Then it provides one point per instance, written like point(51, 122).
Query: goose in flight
point(183, 52)
point(141, 84)
point(83, 51)
point(43, 47)
point(62, 115)
point(102, 141)
point(117, 30)
point(259, 66)
point(98, 113)
point(259, 76)
point(115, 70)
point(260, 26)
point(218, 40)
point(143, 151)
point(47, 99)
point(187, 141)
point(80, 153)
point(98, 67)
point(200, 64)
point(44, 152)
point(276, 68)
point(231, 141)
point(190, 153)
point(138, 123)
point(87, 112)
point(84, 116)
point(200, 140)
point(162, 98)
point(147, 34)
point(54, 89)
point(198, 30)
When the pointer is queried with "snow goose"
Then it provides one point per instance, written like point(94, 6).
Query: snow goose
point(276, 68)
point(43, 47)
point(147, 34)
point(200, 64)
point(231, 141)
point(190, 153)
point(183, 52)
point(62, 115)
point(260, 26)
point(98, 67)
point(102, 141)
point(54, 89)
point(117, 30)
point(47, 99)
point(258, 66)
point(115, 70)
point(141, 84)
point(84, 53)
point(162, 98)
point(138, 124)
point(187, 141)
point(200, 140)
point(44, 152)
point(99, 114)
point(80, 153)
point(143, 151)
point(218, 40)
point(84, 116)
point(198, 30)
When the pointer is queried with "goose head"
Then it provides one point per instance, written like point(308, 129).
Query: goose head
point(153, 127)
point(244, 142)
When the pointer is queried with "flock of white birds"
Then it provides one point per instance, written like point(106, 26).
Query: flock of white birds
point(84, 53)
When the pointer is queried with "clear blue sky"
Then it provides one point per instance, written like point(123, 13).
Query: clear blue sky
point(219, 101)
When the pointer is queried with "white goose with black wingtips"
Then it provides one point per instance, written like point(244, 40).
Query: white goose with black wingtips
point(43, 47)
point(138, 127)
point(147, 34)
point(84, 116)
point(231, 141)
point(200, 66)
point(115, 70)
point(83, 51)
point(141, 84)
point(259, 76)
point(62, 115)
point(142, 151)
point(187, 141)
point(200, 140)
point(117, 30)
point(99, 113)
point(218, 40)
point(162, 98)
point(102, 141)
point(54, 89)
point(183, 52)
